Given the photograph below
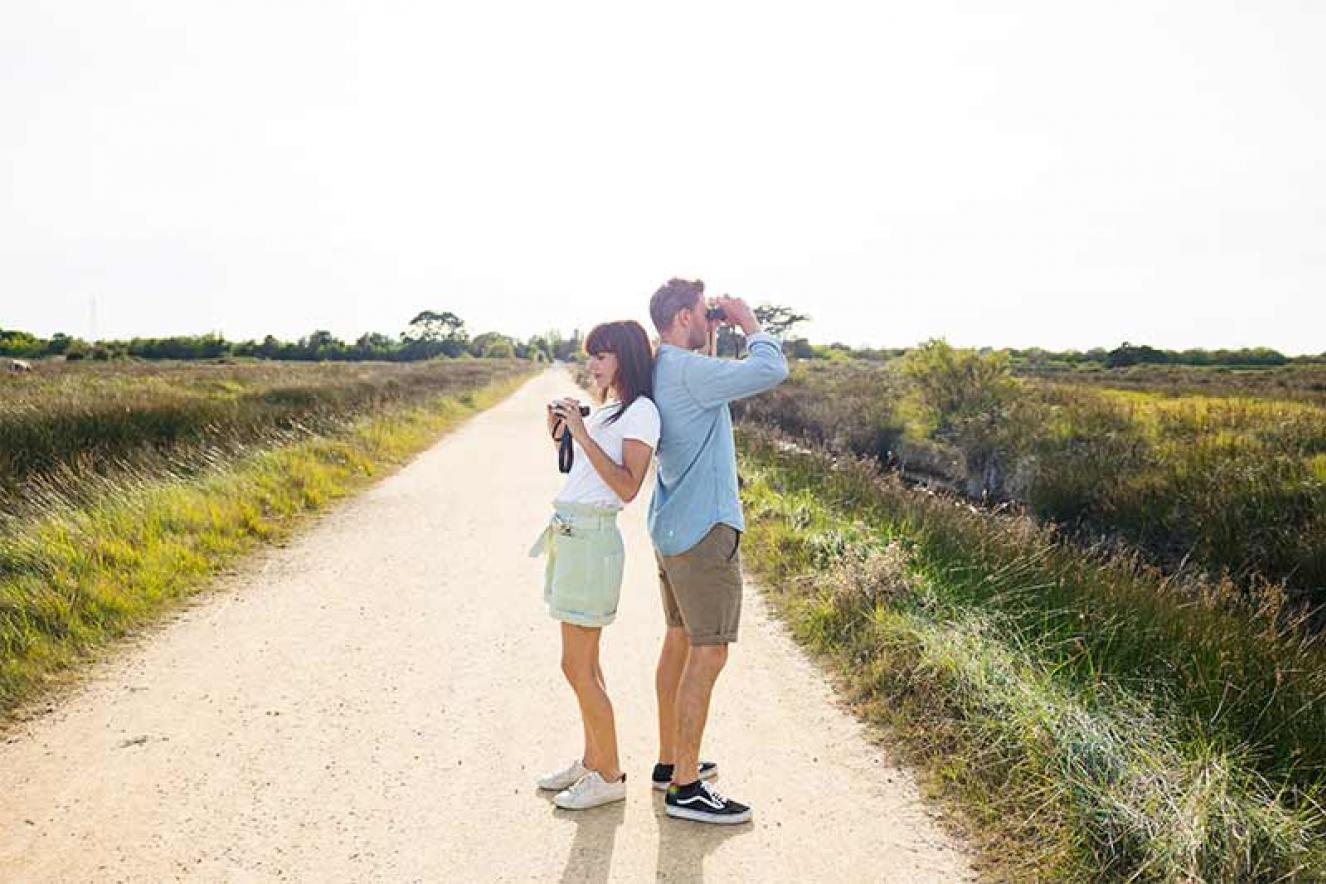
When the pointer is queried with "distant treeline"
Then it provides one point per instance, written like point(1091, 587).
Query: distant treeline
point(1127, 354)
point(430, 334)
point(1035, 358)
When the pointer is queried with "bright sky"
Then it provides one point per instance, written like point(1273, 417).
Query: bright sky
point(1006, 174)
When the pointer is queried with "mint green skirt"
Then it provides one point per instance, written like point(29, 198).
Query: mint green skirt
point(582, 579)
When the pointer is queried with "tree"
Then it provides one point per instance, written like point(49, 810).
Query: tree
point(373, 345)
point(492, 345)
point(320, 345)
point(430, 325)
point(20, 343)
point(567, 349)
point(774, 318)
point(431, 332)
point(778, 320)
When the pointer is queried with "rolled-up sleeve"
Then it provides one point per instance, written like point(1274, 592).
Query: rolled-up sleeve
point(714, 381)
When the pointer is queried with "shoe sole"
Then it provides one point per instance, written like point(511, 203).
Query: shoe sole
point(599, 803)
point(663, 786)
point(699, 816)
point(557, 788)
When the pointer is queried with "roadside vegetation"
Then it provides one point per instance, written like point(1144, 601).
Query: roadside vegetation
point(1085, 600)
point(126, 487)
point(1092, 716)
point(1225, 481)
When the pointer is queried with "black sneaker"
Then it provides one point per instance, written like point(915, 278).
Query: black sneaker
point(662, 775)
point(699, 801)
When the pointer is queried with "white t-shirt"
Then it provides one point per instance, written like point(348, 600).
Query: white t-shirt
point(583, 483)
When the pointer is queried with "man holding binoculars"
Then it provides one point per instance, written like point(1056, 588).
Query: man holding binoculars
point(695, 522)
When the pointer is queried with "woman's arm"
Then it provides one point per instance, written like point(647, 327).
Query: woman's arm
point(625, 478)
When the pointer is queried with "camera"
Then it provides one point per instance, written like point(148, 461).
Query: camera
point(717, 313)
point(584, 409)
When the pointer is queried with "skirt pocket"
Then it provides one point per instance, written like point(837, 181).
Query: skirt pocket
point(585, 573)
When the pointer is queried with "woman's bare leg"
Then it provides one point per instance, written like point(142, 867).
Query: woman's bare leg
point(580, 664)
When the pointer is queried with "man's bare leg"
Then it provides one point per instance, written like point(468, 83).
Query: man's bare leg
point(703, 664)
point(671, 663)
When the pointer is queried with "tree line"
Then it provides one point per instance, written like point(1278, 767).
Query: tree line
point(434, 333)
point(429, 335)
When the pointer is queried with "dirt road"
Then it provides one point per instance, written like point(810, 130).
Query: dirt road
point(374, 701)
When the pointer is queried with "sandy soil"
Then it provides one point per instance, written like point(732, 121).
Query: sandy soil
point(375, 700)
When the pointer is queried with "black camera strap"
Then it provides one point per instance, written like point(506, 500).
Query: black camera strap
point(566, 454)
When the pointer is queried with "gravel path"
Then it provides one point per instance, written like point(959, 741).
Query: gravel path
point(374, 701)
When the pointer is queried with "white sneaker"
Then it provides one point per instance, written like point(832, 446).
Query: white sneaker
point(564, 778)
point(591, 791)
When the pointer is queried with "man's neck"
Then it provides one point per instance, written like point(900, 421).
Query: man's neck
point(674, 340)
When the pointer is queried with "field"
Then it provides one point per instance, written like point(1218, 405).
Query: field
point(1226, 480)
point(127, 486)
point(1086, 608)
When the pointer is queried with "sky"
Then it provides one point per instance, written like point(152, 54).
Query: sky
point(1053, 174)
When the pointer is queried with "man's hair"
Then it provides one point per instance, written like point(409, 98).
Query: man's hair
point(671, 299)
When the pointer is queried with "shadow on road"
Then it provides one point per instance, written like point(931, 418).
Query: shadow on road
point(590, 858)
point(683, 845)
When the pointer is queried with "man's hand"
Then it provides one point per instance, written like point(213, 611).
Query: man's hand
point(738, 314)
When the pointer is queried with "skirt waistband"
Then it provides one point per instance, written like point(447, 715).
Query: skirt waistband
point(570, 517)
point(584, 515)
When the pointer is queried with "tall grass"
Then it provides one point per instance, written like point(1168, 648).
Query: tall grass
point(72, 428)
point(1121, 724)
point(86, 562)
point(1226, 484)
point(1299, 383)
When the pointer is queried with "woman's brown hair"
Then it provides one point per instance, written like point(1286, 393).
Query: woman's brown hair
point(635, 360)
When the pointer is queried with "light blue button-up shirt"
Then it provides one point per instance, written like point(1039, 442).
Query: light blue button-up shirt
point(696, 484)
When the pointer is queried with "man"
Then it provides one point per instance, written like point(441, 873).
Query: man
point(695, 522)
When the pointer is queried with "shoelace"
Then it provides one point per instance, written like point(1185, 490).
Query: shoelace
point(713, 793)
point(582, 785)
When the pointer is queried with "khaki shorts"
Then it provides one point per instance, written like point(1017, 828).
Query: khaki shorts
point(701, 587)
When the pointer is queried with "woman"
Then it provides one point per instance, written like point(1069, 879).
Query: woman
point(611, 453)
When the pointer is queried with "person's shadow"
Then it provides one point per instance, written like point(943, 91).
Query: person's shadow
point(683, 844)
point(590, 858)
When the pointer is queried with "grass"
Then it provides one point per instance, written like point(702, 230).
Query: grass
point(1301, 383)
point(1093, 717)
point(84, 569)
point(68, 424)
point(1196, 475)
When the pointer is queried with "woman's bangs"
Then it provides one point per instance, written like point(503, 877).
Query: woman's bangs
point(600, 341)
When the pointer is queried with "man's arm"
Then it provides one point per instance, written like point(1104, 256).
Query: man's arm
point(715, 381)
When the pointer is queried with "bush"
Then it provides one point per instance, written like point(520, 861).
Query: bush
point(966, 399)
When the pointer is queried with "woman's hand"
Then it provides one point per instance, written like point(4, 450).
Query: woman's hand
point(568, 410)
point(553, 421)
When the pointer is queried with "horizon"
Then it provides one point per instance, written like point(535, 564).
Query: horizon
point(567, 335)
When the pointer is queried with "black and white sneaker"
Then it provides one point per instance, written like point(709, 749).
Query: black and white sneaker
point(662, 775)
point(701, 802)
